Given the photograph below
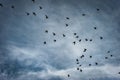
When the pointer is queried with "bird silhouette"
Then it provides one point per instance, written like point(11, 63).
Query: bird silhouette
point(77, 68)
point(34, 13)
point(54, 40)
point(108, 52)
point(68, 75)
point(95, 28)
point(44, 42)
point(79, 40)
point(40, 7)
point(98, 9)
point(75, 33)
point(111, 55)
point(27, 13)
point(96, 63)
point(80, 65)
point(106, 57)
point(46, 31)
point(86, 39)
point(90, 56)
point(90, 39)
point(118, 72)
point(54, 34)
point(33, 1)
point(63, 35)
point(1, 5)
point(77, 36)
point(81, 70)
point(77, 60)
point(101, 37)
point(67, 18)
point(46, 16)
point(82, 56)
point(89, 64)
point(83, 14)
point(66, 25)
point(84, 50)
point(12, 6)
point(74, 42)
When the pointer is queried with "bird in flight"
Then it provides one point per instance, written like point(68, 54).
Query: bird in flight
point(27, 13)
point(46, 31)
point(46, 16)
point(34, 13)
point(63, 35)
point(68, 75)
point(67, 18)
point(101, 37)
point(1, 5)
point(33, 1)
point(12, 6)
point(40, 7)
point(98, 9)
point(66, 25)
point(84, 50)
point(75, 33)
point(44, 42)
point(79, 40)
point(54, 34)
point(83, 14)
point(74, 42)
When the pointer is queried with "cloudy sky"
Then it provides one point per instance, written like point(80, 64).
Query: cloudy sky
point(23, 56)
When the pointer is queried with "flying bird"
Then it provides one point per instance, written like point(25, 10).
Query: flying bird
point(44, 42)
point(96, 63)
point(54, 40)
point(89, 64)
point(74, 42)
point(106, 57)
point(66, 25)
point(33, 1)
point(68, 75)
point(46, 16)
point(12, 6)
point(108, 52)
point(67, 18)
point(77, 36)
point(90, 56)
point(34, 13)
point(46, 31)
point(90, 39)
point(79, 40)
point(83, 14)
point(86, 39)
point(84, 50)
point(27, 13)
point(111, 55)
point(77, 60)
point(98, 9)
point(95, 28)
point(54, 34)
point(75, 33)
point(101, 37)
point(77, 68)
point(81, 70)
point(40, 7)
point(1, 5)
point(63, 35)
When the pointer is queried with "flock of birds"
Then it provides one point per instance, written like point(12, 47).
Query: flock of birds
point(74, 42)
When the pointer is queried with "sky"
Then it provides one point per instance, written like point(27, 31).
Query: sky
point(24, 56)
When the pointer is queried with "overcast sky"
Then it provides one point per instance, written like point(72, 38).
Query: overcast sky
point(23, 56)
